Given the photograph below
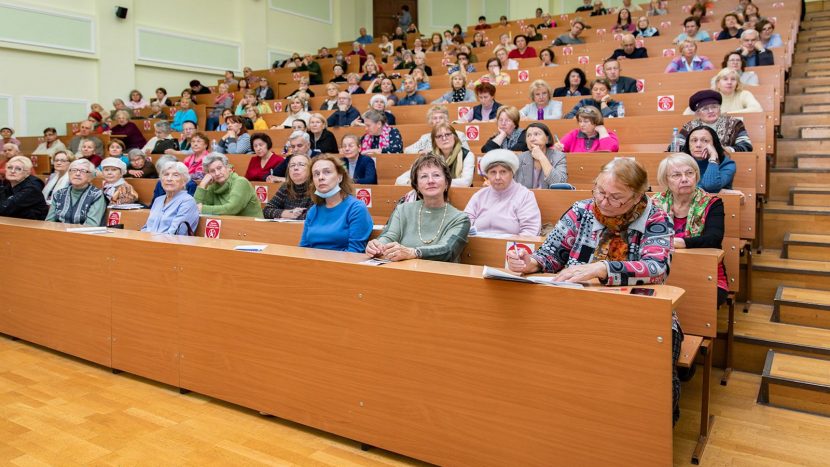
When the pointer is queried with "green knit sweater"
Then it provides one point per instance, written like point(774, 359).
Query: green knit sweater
point(235, 197)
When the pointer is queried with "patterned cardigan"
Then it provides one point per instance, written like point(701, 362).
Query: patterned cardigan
point(575, 238)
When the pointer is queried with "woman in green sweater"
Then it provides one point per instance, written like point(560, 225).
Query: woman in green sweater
point(428, 228)
point(224, 193)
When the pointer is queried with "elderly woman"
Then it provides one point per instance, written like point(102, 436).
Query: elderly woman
point(194, 162)
point(688, 60)
point(380, 138)
point(717, 168)
point(138, 165)
point(353, 84)
point(264, 158)
point(543, 106)
point(236, 140)
point(115, 188)
point(600, 98)
point(361, 168)
point(506, 63)
point(504, 206)
point(379, 103)
point(573, 85)
point(435, 115)
point(769, 38)
point(293, 199)
point(337, 220)
point(731, 131)
point(644, 29)
point(428, 228)
point(458, 90)
point(80, 202)
point(60, 177)
point(460, 160)
point(736, 61)
point(736, 99)
point(698, 217)
point(590, 136)
point(486, 110)
point(127, 131)
point(137, 101)
point(162, 141)
point(223, 192)
point(176, 212)
point(541, 166)
point(21, 196)
point(337, 73)
point(330, 102)
point(730, 27)
point(184, 114)
point(86, 150)
point(494, 75)
point(509, 135)
point(296, 111)
point(522, 50)
point(620, 237)
point(547, 56)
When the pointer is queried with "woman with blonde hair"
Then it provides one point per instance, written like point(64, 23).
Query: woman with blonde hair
point(458, 90)
point(296, 110)
point(543, 106)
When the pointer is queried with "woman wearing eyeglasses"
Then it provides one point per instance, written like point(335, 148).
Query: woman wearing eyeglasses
point(80, 202)
point(22, 194)
point(619, 237)
point(590, 135)
point(292, 199)
point(60, 177)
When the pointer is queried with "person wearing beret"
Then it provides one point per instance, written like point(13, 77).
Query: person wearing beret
point(116, 190)
point(706, 105)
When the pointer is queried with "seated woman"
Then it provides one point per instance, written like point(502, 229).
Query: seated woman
point(421, 79)
point(435, 115)
point(509, 135)
point(127, 131)
point(379, 103)
point(506, 63)
point(504, 206)
point(600, 99)
point(87, 151)
point(730, 27)
point(21, 195)
point(330, 103)
point(624, 22)
point(769, 38)
point(644, 29)
point(322, 140)
point(698, 217)
point(296, 111)
point(162, 141)
point(137, 101)
point(380, 138)
point(199, 150)
point(620, 237)
point(353, 84)
point(388, 89)
point(458, 90)
point(460, 160)
point(223, 192)
point(252, 115)
point(717, 168)
point(302, 86)
point(293, 199)
point(731, 131)
point(236, 140)
point(59, 178)
point(337, 220)
point(495, 76)
point(541, 166)
point(117, 149)
point(223, 100)
point(264, 158)
point(574, 85)
point(139, 166)
point(429, 228)
point(546, 56)
point(736, 99)
point(80, 202)
point(175, 213)
point(360, 168)
point(184, 114)
point(522, 50)
point(116, 190)
point(486, 110)
point(591, 136)
point(736, 61)
point(543, 106)
point(688, 60)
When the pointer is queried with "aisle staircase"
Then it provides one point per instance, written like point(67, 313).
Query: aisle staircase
point(785, 334)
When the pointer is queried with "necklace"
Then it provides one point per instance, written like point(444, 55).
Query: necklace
point(438, 232)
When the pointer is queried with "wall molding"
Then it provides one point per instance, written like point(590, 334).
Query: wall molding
point(330, 20)
point(184, 64)
point(9, 109)
point(92, 50)
point(24, 117)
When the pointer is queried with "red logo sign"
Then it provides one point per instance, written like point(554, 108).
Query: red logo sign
point(601, 31)
point(778, 5)
point(365, 195)
point(297, 76)
point(598, 70)
point(665, 24)
point(617, 36)
point(515, 247)
point(639, 43)
point(567, 50)
point(278, 106)
point(772, 19)
point(472, 132)
point(114, 218)
point(146, 125)
point(213, 227)
point(641, 85)
point(262, 193)
point(583, 59)
point(34, 161)
point(463, 111)
point(524, 76)
point(669, 52)
point(665, 103)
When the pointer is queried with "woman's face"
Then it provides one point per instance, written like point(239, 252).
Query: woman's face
point(61, 162)
point(184, 103)
point(331, 91)
point(88, 148)
point(546, 58)
point(16, 172)
point(521, 43)
point(688, 51)
point(734, 62)
point(296, 106)
point(587, 126)
point(79, 177)
point(219, 172)
point(485, 99)
point(379, 104)
point(352, 80)
point(338, 71)
point(457, 82)
point(250, 112)
point(297, 125)
point(315, 125)
point(111, 174)
point(436, 39)
point(505, 124)
point(699, 142)
point(541, 97)
point(137, 162)
point(612, 197)
point(159, 95)
point(625, 15)
point(373, 128)
point(682, 179)
point(223, 88)
point(431, 182)
point(730, 22)
point(494, 68)
point(727, 84)
point(260, 148)
point(135, 96)
point(502, 56)
point(418, 43)
point(767, 31)
point(350, 148)
point(536, 137)
point(499, 177)
point(750, 9)
point(599, 91)
point(172, 181)
point(198, 145)
point(324, 175)
point(445, 140)
point(477, 37)
point(121, 119)
point(504, 39)
point(235, 126)
point(386, 85)
point(574, 79)
point(298, 169)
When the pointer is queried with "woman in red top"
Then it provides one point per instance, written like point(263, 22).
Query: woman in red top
point(521, 50)
point(263, 160)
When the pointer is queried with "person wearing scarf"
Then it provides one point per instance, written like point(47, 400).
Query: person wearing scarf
point(116, 190)
point(458, 90)
point(619, 237)
point(590, 136)
point(509, 135)
point(447, 145)
point(380, 138)
point(80, 202)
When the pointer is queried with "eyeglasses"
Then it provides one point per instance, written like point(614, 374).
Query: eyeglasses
point(297, 165)
point(60, 160)
point(600, 196)
point(709, 108)
point(443, 136)
point(14, 169)
point(690, 174)
point(79, 171)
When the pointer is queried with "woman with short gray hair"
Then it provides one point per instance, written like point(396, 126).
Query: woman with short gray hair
point(380, 138)
point(176, 212)
point(139, 165)
point(162, 141)
point(223, 192)
point(80, 202)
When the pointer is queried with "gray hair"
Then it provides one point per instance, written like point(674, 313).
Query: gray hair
point(376, 98)
point(374, 116)
point(300, 134)
point(162, 160)
point(678, 159)
point(214, 157)
point(84, 164)
point(178, 166)
point(122, 112)
point(750, 32)
point(136, 153)
point(162, 126)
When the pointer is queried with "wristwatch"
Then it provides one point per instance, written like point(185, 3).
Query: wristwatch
point(417, 253)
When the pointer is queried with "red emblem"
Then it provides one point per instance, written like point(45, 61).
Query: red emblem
point(114, 218)
point(262, 193)
point(665, 103)
point(567, 50)
point(278, 106)
point(669, 52)
point(583, 59)
point(462, 112)
point(213, 227)
point(472, 132)
point(365, 195)
point(524, 76)
point(641, 85)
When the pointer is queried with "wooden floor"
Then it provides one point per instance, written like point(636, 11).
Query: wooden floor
point(58, 410)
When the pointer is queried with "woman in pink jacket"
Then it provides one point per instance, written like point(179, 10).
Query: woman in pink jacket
point(591, 136)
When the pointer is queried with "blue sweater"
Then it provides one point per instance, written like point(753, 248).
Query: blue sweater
point(182, 116)
point(345, 227)
point(715, 177)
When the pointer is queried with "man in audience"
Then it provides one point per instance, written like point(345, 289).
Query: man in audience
point(51, 144)
point(482, 23)
point(586, 6)
point(753, 50)
point(691, 30)
point(345, 113)
point(248, 75)
point(364, 38)
point(628, 5)
point(411, 96)
point(315, 74)
point(197, 88)
point(628, 49)
point(85, 132)
point(572, 37)
point(188, 129)
point(264, 91)
point(298, 143)
point(731, 131)
point(619, 84)
point(324, 53)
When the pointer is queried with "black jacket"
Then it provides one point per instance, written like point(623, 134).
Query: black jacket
point(563, 92)
point(327, 144)
point(25, 200)
point(626, 85)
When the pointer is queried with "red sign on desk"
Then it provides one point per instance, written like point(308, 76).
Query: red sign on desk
point(114, 218)
point(463, 111)
point(641, 85)
point(278, 106)
point(34, 161)
point(472, 132)
point(567, 50)
point(598, 70)
point(213, 227)
point(262, 193)
point(583, 59)
point(516, 247)
point(365, 195)
point(146, 125)
point(524, 76)
point(665, 103)
point(669, 52)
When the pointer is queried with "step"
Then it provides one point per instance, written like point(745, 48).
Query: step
point(812, 161)
point(796, 382)
point(769, 271)
point(818, 60)
point(815, 131)
point(756, 334)
point(793, 107)
point(816, 108)
point(810, 196)
point(816, 89)
point(781, 179)
point(788, 148)
point(802, 307)
point(807, 247)
point(817, 74)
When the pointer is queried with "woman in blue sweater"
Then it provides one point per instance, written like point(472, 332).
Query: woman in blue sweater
point(337, 220)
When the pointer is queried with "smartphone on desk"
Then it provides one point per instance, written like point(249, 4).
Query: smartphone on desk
point(642, 291)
